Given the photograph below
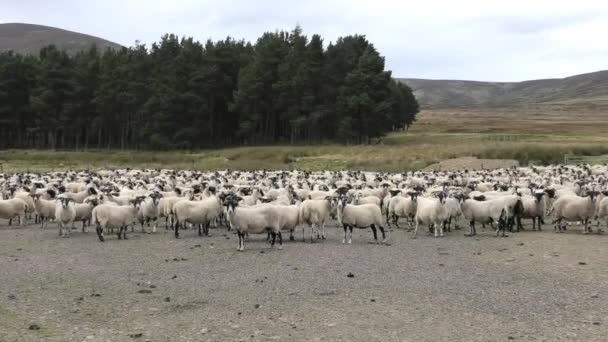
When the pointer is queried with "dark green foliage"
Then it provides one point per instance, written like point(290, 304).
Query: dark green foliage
point(181, 94)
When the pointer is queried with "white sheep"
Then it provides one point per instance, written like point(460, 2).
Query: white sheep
point(573, 208)
point(65, 213)
point(315, 212)
point(400, 206)
point(201, 213)
point(534, 207)
point(15, 207)
point(115, 216)
point(432, 211)
point(45, 209)
point(84, 211)
point(491, 211)
point(358, 216)
point(255, 220)
point(150, 210)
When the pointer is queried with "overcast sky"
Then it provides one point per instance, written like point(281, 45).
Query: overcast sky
point(488, 40)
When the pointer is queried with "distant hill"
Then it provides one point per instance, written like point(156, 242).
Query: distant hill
point(29, 39)
point(450, 93)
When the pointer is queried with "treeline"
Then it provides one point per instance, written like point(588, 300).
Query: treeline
point(180, 93)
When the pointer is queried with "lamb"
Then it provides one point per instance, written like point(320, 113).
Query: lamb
point(359, 216)
point(432, 211)
point(255, 220)
point(65, 213)
point(15, 207)
point(534, 208)
point(45, 209)
point(574, 208)
point(315, 212)
point(149, 210)
point(289, 218)
point(197, 212)
point(115, 216)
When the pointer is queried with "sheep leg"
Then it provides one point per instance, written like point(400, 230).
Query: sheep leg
point(312, 231)
point(586, 229)
point(323, 231)
point(471, 229)
point(350, 236)
point(241, 246)
point(206, 229)
point(83, 227)
point(155, 223)
point(416, 229)
point(274, 237)
point(280, 239)
point(120, 233)
point(176, 228)
point(384, 234)
point(345, 230)
point(99, 230)
point(439, 227)
point(124, 233)
point(200, 227)
point(373, 227)
point(291, 237)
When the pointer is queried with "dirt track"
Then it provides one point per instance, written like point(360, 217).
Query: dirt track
point(529, 286)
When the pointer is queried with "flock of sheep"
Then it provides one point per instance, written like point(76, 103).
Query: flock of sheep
point(280, 201)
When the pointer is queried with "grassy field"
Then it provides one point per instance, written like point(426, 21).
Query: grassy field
point(538, 134)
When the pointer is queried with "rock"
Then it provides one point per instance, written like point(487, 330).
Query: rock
point(582, 263)
point(350, 275)
point(197, 246)
point(257, 306)
point(372, 300)
point(152, 286)
point(595, 296)
point(203, 331)
point(136, 335)
point(596, 323)
point(90, 337)
point(34, 327)
point(174, 276)
point(95, 295)
point(167, 299)
point(261, 252)
point(80, 298)
point(144, 291)
point(12, 296)
point(520, 244)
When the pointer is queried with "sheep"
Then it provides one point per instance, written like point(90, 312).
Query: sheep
point(149, 210)
point(534, 208)
point(432, 211)
point(45, 209)
point(454, 213)
point(602, 210)
point(11, 208)
point(574, 208)
point(65, 213)
point(289, 218)
point(81, 195)
point(84, 211)
point(115, 216)
point(197, 212)
point(400, 206)
point(491, 211)
point(359, 216)
point(360, 199)
point(315, 212)
point(256, 220)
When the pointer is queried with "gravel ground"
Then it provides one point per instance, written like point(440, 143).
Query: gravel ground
point(530, 286)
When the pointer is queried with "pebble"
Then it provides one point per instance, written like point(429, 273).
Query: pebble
point(12, 296)
point(203, 331)
point(582, 263)
point(257, 306)
point(167, 299)
point(34, 327)
point(350, 275)
point(136, 335)
point(174, 276)
point(144, 291)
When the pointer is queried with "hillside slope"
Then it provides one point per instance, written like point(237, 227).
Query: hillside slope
point(29, 39)
point(449, 93)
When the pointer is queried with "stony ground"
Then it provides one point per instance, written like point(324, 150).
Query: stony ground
point(530, 286)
